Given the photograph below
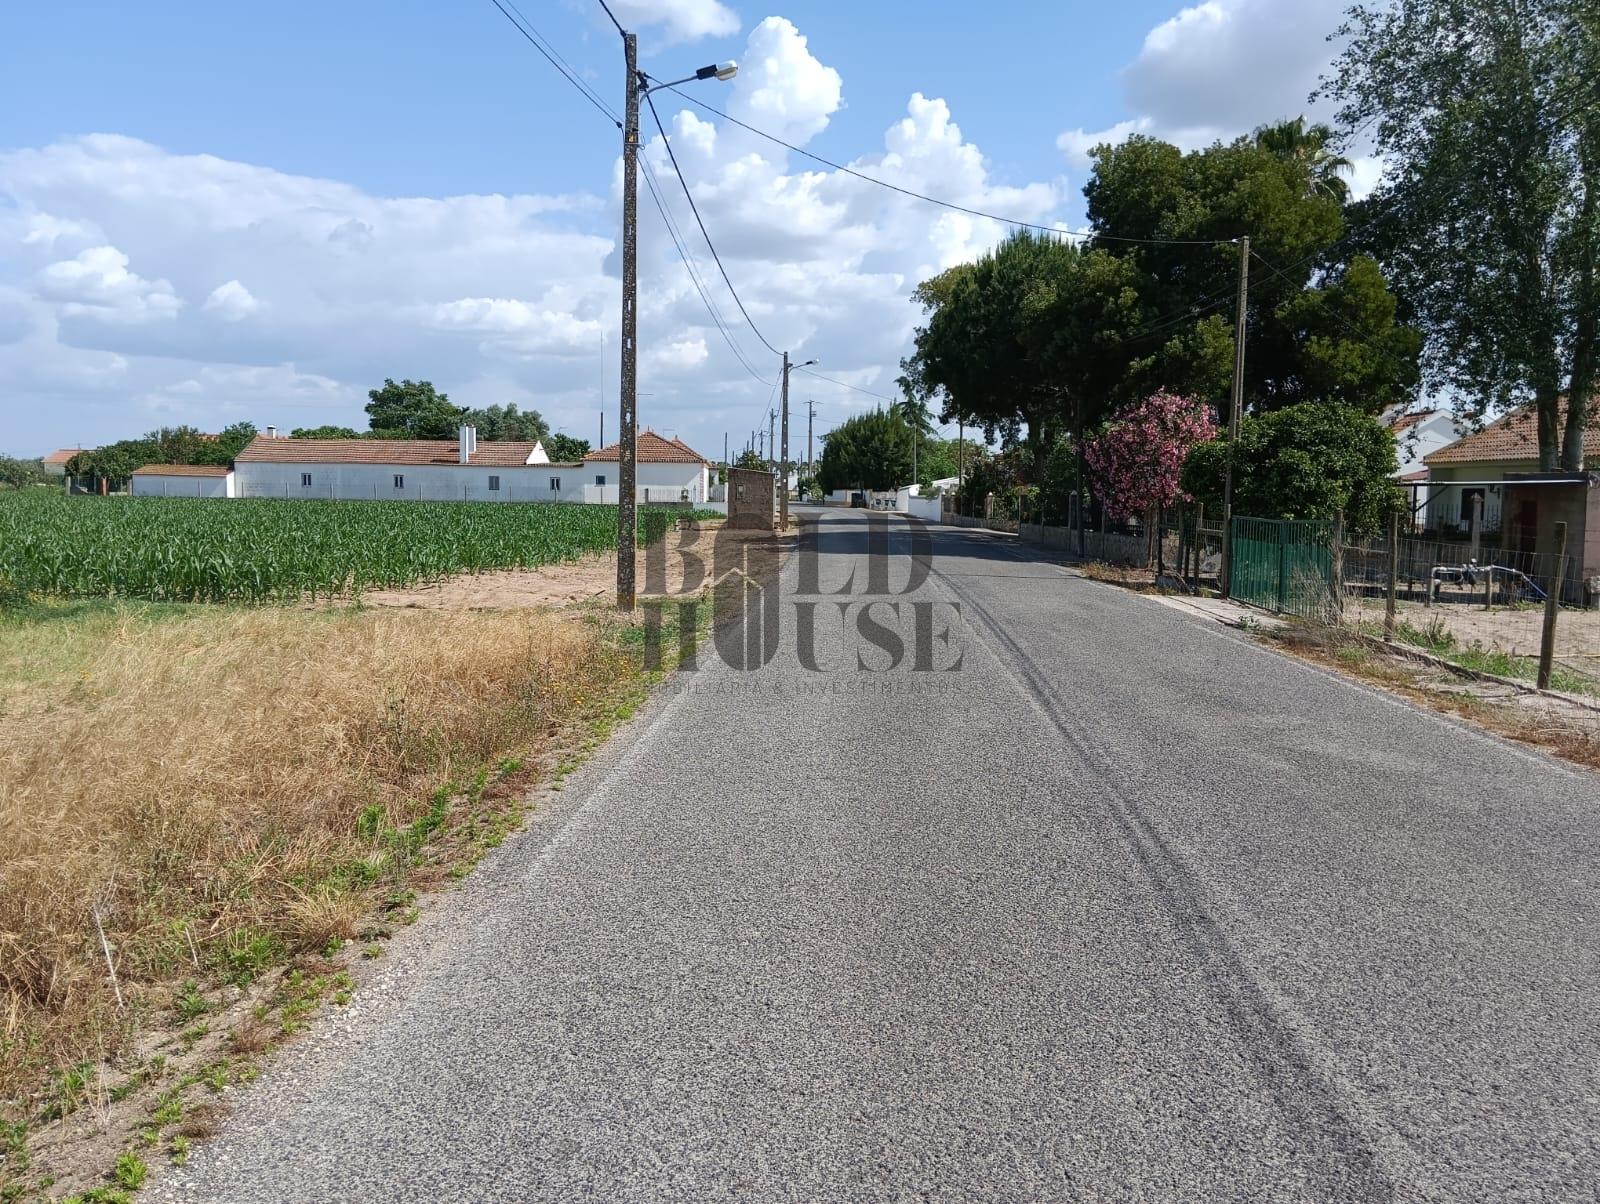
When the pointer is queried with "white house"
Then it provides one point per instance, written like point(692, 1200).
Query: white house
point(666, 470)
point(182, 480)
point(1418, 434)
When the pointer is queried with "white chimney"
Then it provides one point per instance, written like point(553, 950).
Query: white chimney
point(472, 440)
point(464, 441)
point(272, 432)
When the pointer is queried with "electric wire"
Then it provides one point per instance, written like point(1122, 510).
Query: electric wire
point(613, 17)
point(694, 277)
point(700, 221)
point(556, 62)
point(933, 200)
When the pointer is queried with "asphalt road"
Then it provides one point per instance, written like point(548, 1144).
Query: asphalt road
point(1121, 907)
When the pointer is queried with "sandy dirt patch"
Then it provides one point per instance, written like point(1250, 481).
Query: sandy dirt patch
point(686, 561)
point(1505, 629)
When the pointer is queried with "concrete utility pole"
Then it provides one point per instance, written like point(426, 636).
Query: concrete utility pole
point(637, 85)
point(628, 441)
point(783, 469)
point(811, 424)
point(1233, 415)
point(772, 424)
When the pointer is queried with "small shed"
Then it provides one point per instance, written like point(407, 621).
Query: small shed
point(182, 480)
point(752, 499)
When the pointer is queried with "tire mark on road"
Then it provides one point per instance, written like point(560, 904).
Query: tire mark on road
point(1285, 1051)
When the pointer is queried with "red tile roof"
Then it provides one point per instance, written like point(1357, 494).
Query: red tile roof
point(1513, 436)
point(63, 454)
point(653, 449)
point(383, 451)
point(182, 470)
point(1404, 422)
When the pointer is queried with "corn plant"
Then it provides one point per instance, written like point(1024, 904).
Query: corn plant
point(276, 550)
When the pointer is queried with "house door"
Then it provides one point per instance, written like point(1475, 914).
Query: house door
point(1525, 526)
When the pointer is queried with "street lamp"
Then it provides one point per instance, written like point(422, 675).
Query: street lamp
point(783, 492)
point(638, 85)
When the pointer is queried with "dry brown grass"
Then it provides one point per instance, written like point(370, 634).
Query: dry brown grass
point(224, 787)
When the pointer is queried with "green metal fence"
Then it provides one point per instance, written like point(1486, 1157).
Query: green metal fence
point(1284, 565)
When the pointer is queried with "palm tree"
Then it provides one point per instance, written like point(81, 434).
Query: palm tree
point(1309, 147)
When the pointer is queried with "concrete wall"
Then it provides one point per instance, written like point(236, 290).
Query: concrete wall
point(665, 482)
point(469, 482)
point(930, 508)
point(147, 485)
point(418, 482)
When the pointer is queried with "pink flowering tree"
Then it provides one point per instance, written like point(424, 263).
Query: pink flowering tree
point(1134, 463)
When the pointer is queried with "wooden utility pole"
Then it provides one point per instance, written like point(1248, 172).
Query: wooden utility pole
point(772, 433)
point(1552, 602)
point(1237, 404)
point(628, 440)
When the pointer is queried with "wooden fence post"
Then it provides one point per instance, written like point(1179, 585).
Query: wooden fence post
point(1552, 596)
point(1394, 577)
point(1338, 565)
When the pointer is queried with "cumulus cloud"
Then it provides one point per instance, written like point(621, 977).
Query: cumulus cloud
point(1221, 68)
point(325, 289)
point(679, 20)
point(97, 282)
point(781, 87)
point(231, 301)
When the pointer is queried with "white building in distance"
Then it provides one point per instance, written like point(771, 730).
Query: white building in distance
point(666, 470)
point(182, 480)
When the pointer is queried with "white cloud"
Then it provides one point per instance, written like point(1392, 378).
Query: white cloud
point(231, 301)
point(680, 20)
point(494, 298)
point(781, 87)
point(1226, 66)
point(1077, 144)
point(1221, 68)
point(97, 282)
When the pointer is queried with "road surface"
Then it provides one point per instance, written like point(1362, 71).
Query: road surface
point(1105, 903)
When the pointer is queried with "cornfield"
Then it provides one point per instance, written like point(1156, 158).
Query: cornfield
point(260, 550)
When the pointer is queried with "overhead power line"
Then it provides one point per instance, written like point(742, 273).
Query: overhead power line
point(695, 209)
point(933, 200)
point(844, 384)
point(537, 41)
point(695, 274)
point(613, 16)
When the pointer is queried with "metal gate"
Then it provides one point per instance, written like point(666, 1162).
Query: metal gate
point(1284, 565)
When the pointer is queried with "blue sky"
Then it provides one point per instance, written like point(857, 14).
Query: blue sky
point(253, 240)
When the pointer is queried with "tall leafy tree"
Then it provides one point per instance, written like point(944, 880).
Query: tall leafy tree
point(1487, 113)
point(564, 449)
point(324, 432)
point(497, 423)
point(868, 451)
point(1304, 461)
point(412, 410)
point(982, 327)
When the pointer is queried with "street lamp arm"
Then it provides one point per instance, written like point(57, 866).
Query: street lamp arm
point(722, 71)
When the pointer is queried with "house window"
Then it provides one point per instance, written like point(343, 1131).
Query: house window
point(399, 480)
point(494, 484)
point(555, 484)
point(599, 478)
point(305, 480)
